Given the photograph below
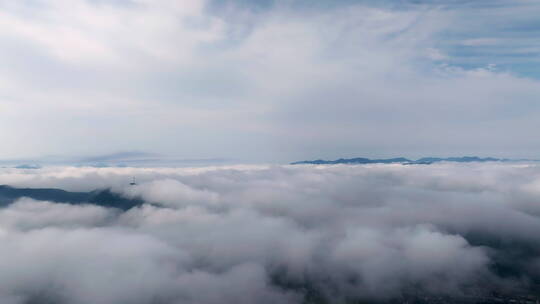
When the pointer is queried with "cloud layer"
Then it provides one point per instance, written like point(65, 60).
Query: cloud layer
point(274, 234)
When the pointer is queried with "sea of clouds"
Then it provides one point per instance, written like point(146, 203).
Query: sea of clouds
point(273, 234)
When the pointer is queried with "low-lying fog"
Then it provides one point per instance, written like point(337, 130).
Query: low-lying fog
point(273, 234)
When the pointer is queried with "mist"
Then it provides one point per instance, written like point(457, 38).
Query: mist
point(273, 234)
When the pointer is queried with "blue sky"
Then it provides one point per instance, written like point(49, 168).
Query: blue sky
point(494, 32)
point(270, 81)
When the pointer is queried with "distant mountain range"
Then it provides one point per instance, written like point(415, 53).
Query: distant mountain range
point(119, 159)
point(402, 160)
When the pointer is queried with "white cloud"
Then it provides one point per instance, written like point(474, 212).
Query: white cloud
point(100, 33)
point(274, 83)
point(27, 214)
point(366, 231)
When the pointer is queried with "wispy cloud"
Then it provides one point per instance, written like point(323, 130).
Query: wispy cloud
point(270, 82)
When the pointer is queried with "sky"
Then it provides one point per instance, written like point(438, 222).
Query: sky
point(269, 81)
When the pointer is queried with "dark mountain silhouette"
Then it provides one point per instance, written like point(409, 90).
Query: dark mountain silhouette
point(101, 197)
point(463, 159)
point(402, 160)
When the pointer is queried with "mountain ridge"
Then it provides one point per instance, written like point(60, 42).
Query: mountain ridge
point(403, 160)
point(100, 197)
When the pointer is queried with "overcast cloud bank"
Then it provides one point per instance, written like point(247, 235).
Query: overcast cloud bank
point(272, 82)
point(273, 234)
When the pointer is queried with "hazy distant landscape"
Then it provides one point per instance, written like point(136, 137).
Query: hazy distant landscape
point(269, 152)
point(403, 160)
